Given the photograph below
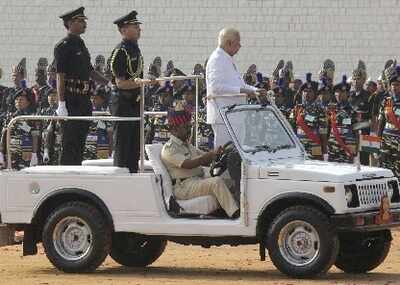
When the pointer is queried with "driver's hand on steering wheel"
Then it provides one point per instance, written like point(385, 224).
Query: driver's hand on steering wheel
point(219, 150)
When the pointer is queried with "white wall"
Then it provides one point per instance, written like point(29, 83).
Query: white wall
point(304, 31)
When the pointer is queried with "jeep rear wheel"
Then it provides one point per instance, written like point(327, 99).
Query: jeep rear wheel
point(301, 242)
point(76, 237)
point(363, 252)
point(132, 250)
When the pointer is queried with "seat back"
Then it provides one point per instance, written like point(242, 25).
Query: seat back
point(154, 153)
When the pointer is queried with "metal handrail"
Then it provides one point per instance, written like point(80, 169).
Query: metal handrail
point(105, 117)
point(56, 118)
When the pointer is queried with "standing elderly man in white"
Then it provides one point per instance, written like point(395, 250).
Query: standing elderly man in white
point(223, 78)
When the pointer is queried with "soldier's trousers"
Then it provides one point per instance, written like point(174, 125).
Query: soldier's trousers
point(73, 143)
point(197, 186)
point(126, 137)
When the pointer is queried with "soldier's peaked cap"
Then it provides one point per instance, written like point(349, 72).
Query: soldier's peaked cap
point(127, 19)
point(74, 14)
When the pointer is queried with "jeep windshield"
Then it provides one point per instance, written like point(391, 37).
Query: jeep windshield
point(259, 129)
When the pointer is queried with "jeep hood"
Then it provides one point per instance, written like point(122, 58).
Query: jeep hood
point(319, 171)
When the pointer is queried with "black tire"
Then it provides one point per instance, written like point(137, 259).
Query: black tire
point(302, 228)
point(133, 250)
point(83, 224)
point(363, 252)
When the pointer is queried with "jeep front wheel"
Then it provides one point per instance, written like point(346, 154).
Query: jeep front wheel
point(76, 237)
point(363, 252)
point(132, 250)
point(301, 242)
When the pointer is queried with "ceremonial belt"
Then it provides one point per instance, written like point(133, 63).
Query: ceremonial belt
point(309, 133)
point(390, 114)
point(76, 86)
point(338, 138)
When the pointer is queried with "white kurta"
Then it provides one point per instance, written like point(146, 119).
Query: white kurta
point(222, 78)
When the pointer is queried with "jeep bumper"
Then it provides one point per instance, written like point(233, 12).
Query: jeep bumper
point(367, 221)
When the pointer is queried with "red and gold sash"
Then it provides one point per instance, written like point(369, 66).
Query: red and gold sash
point(390, 114)
point(337, 135)
point(309, 133)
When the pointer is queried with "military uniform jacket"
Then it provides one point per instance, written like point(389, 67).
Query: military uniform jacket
point(390, 115)
point(73, 59)
point(126, 63)
point(342, 138)
point(359, 101)
point(311, 122)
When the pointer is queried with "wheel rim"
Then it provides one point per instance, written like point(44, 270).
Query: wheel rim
point(299, 243)
point(72, 238)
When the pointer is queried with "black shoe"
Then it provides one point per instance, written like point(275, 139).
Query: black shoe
point(236, 215)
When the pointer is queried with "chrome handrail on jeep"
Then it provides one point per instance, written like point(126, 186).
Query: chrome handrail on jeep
point(110, 118)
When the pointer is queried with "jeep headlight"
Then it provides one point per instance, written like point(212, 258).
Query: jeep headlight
point(390, 191)
point(349, 196)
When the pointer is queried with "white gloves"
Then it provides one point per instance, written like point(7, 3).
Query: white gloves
point(326, 157)
point(46, 157)
point(1, 159)
point(34, 160)
point(62, 109)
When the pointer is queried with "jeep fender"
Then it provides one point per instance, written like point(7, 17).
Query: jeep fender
point(283, 201)
point(69, 194)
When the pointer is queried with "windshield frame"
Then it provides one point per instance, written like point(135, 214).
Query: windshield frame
point(295, 152)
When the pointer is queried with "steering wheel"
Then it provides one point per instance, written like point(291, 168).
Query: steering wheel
point(220, 163)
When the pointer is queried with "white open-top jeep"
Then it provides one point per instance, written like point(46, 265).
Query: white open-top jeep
point(308, 214)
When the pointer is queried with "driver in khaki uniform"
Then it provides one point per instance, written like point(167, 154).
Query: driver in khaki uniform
point(183, 162)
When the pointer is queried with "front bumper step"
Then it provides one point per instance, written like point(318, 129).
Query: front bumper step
point(367, 221)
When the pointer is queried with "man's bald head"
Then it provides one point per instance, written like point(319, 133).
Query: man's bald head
point(229, 40)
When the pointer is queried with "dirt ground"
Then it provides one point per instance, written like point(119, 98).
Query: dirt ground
point(186, 265)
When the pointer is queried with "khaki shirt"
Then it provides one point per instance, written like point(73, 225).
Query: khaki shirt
point(174, 153)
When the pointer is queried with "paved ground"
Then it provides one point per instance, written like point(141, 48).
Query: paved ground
point(186, 265)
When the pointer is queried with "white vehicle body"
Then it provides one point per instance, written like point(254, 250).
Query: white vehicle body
point(272, 180)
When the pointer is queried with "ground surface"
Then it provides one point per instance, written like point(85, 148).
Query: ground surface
point(186, 265)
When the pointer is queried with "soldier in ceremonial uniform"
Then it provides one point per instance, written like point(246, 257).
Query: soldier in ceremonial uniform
point(389, 125)
point(311, 121)
point(72, 60)
point(18, 75)
point(325, 88)
point(41, 87)
point(127, 68)
point(156, 127)
point(342, 138)
point(359, 101)
point(24, 134)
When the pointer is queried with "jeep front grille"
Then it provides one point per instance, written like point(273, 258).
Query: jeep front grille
point(370, 194)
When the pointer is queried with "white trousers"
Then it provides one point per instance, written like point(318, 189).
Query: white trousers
point(221, 135)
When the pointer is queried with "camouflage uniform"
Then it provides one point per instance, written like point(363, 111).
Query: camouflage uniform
point(343, 118)
point(390, 152)
point(315, 119)
point(97, 142)
point(51, 136)
point(310, 120)
point(21, 140)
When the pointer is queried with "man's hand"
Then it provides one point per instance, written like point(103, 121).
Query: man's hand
point(2, 159)
point(34, 159)
point(62, 109)
point(262, 92)
point(46, 157)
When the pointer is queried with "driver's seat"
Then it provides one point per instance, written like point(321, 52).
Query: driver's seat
point(202, 205)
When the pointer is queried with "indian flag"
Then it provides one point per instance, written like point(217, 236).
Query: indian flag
point(370, 143)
